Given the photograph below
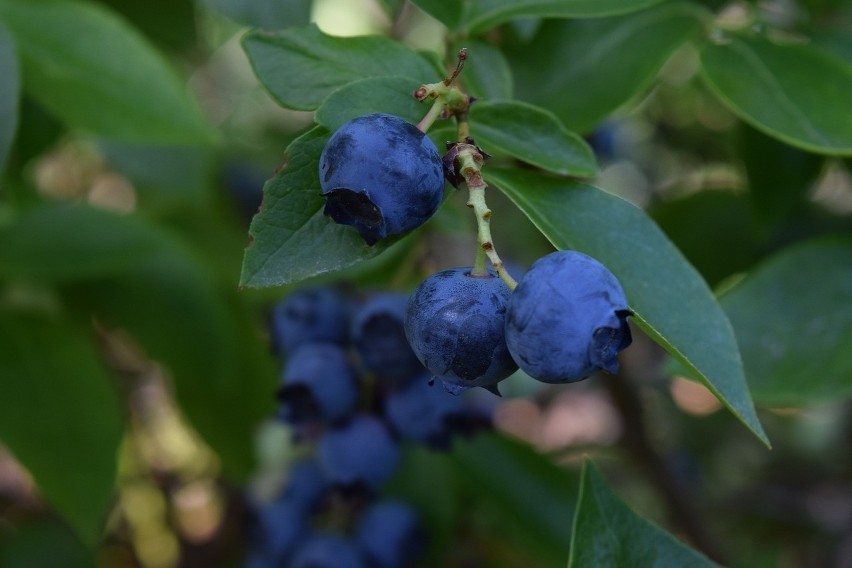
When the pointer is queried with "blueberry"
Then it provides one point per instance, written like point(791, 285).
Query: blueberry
point(567, 319)
point(422, 412)
point(455, 324)
point(390, 534)
point(381, 175)
point(281, 528)
point(306, 486)
point(318, 384)
point(328, 551)
point(379, 337)
point(309, 315)
point(359, 455)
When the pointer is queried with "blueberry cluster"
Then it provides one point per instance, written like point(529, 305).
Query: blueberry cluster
point(352, 391)
point(565, 320)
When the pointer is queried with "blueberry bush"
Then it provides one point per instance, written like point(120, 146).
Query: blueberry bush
point(462, 283)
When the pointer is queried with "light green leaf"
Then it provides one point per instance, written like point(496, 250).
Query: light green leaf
point(482, 15)
point(608, 533)
point(10, 90)
point(387, 94)
point(532, 135)
point(66, 242)
point(97, 73)
point(670, 300)
point(583, 70)
point(300, 67)
point(59, 415)
point(529, 497)
point(291, 239)
point(793, 320)
point(486, 73)
point(795, 93)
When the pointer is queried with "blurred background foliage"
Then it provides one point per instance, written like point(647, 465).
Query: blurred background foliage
point(136, 380)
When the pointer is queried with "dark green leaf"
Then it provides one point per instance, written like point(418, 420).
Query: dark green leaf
point(483, 15)
point(486, 73)
point(10, 90)
point(670, 300)
point(291, 239)
point(265, 14)
point(583, 70)
point(73, 242)
point(171, 23)
point(779, 176)
point(223, 376)
point(527, 495)
point(25, 546)
point(532, 135)
point(608, 533)
point(300, 67)
point(795, 93)
point(793, 320)
point(94, 71)
point(388, 94)
point(448, 13)
point(420, 473)
point(59, 415)
point(726, 215)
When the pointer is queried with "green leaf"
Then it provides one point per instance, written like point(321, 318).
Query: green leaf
point(532, 135)
point(97, 73)
point(583, 70)
point(482, 15)
point(66, 242)
point(608, 533)
point(24, 546)
point(529, 497)
point(170, 23)
point(726, 215)
point(422, 470)
point(779, 176)
point(300, 67)
point(793, 317)
point(265, 14)
point(795, 93)
point(59, 415)
point(670, 300)
point(10, 91)
point(388, 94)
point(448, 13)
point(291, 239)
point(487, 74)
point(223, 375)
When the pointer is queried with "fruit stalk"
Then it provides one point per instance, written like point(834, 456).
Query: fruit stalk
point(469, 161)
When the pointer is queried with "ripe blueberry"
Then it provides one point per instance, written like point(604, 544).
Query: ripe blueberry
point(359, 454)
point(455, 324)
point(309, 315)
point(379, 338)
point(381, 175)
point(281, 527)
point(306, 485)
point(318, 385)
point(390, 534)
point(567, 318)
point(326, 550)
point(422, 412)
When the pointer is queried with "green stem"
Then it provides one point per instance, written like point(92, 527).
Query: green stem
point(469, 160)
point(434, 112)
